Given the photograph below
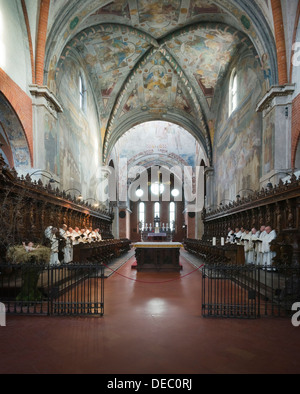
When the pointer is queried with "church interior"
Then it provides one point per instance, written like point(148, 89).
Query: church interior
point(150, 161)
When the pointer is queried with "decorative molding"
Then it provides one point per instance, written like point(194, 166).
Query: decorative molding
point(268, 101)
point(43, 92)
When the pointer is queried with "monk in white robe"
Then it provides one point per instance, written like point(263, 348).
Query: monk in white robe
point(246, 239)
point(253, 246)
point(70, 237)
point(76, 236)
point(50, 233)
point(267, 254)
point(98, 235)
point(259, 258)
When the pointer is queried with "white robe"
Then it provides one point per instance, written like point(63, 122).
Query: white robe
point(252, 248)
point(98, 236)
point(68, 249)
point(247, 243)
point(259, 257)
point(70, 244)
point(54, 250)
point(74, 235)
point(53, 246)
point(267, 254)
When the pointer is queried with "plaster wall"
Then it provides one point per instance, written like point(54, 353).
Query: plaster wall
point(238, 137)
point(14, 47)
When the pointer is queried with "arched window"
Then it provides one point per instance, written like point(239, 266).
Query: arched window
point(157, 210)
point(142, 214)
point(172, 215)
point(233, 90)
point(82, 93)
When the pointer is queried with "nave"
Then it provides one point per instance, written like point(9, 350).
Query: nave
point(152, 325)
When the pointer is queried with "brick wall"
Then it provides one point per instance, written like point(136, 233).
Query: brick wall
point(21, 103)
point(41, 42)
point(295, 127)
point(280, 42)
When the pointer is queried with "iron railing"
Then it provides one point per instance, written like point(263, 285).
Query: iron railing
point(249, 291)
point(68, 289)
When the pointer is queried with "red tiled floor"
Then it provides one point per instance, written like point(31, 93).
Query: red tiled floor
point(152, 324)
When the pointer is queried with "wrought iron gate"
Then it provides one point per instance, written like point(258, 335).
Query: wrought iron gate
point(70, 289)
point(249, 291)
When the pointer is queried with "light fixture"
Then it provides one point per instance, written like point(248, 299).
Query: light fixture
point(96, 205)
point(243, 190)
point(139, 193)
point(79, 197)
point(175, 192)
point(40, 172)
point(157, 188)
point(221, 203)
point(210, 208)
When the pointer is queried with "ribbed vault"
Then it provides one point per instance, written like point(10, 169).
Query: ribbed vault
point(151, 60)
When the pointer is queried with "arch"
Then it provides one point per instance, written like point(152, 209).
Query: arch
point(12, 136)
point(132, 121)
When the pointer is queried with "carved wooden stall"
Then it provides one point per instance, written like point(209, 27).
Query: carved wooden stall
point(278, 207)
point(27, 208)
point(227, 254)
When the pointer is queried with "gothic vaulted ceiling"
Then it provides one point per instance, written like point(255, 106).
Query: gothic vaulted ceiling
point(151, 60)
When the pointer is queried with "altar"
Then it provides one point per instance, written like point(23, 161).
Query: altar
point(158, 256)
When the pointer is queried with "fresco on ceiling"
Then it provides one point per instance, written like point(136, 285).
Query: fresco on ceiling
point(157, 84)
point(158, 139)
point(158, 14)
point(117, 8)
point(15, 136)
point(158, 89)
point(206, 52)
point(133, 101)
point(237, 141)
point(116, 52)
point(202, 7)
point(182, 102)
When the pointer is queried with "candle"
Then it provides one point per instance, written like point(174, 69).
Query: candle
point(222, 241)
point(214, 241)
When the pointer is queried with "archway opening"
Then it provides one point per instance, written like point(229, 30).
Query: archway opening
point(159, 161)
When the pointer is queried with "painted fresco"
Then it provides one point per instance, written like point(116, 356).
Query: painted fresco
point(202, 7)
point(117, 8)
point(238, 140)
point(268, 144)
point(15, 136)
point(161, 142)
point(51, 144)
point(157, 84)
point(205, 52)
point(132, 102)
point(80, 146)
point(131, 71)
point(158, 15)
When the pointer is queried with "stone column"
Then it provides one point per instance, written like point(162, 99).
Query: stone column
point(124, 222)
point(45, 130)
point(209, 179)
point(276, 107)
